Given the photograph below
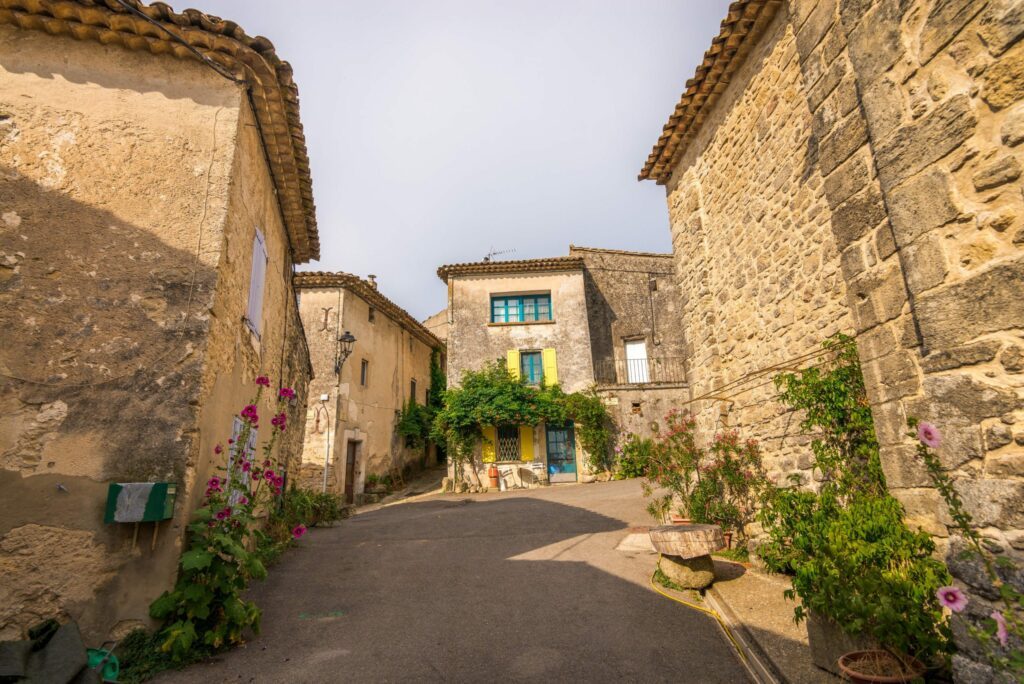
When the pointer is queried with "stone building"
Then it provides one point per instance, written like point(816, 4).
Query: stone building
point(590, 319)
point(152, 206)
point(352, 416)
point(841, 165)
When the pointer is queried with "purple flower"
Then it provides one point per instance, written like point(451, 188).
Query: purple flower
point(929, 435)
point(246, 466)
point(952, 598)
point(286, 393)
point(1001, 632)
point(279, 421)
point(298, 531)
point(249, 413)
point(263, 381)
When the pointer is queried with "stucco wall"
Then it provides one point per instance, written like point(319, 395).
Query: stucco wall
point(757, 264)
point(474, 341)
point(114, 197)
point(365, 414)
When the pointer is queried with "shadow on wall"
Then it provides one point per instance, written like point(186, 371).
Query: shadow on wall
point(429, 591)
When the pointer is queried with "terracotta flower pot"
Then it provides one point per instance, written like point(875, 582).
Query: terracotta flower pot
point(680, 520)
point(879, 667)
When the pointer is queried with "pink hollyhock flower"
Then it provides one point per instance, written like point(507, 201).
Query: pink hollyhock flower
point(268, 475)
point(231, 441)
point(263, 381)
point(279, 421)
point(279, 482)
point(211, 524)
point(1001, 633)
point(277, 491)
point(286, 393)
point(266, 464)
point(929, 435)
point(214, 482)
point(243, 501)
point(223, 514)
point(246, 466)
point(298, 531)
point(249, 413)
point(952, 598)
point(218, 449)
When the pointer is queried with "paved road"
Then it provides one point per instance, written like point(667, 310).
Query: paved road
point(497, 587)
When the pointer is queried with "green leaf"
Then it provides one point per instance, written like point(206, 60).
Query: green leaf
point(196, 559)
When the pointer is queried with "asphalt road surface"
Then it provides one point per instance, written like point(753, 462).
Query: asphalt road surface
point(519, 586)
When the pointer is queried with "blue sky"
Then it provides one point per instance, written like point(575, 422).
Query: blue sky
point(438, 130)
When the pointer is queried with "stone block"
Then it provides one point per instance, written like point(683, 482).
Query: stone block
point(689, 573)
point(883, 105)
point(989, 301)
point(846, 138)
point(1005, 465)
point(921, 204)
point(877, 42)
point(1001, 24)
point(967, 355)
point(854, 218)
point(1012, 130)
point(944, 22)
point(913, 147)
point(812, 32)
point(993, 503)
point(1012, 359)
point(826, 83)
point(687, 541)
point(902, 468)
point(998, 220)
point(1003, 81)
point(925, 264)
point(997, 436)
point(996, 173)
point(848, 179)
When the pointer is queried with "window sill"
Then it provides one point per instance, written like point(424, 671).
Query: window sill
point(506, 325)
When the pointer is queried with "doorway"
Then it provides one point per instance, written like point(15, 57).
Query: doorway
point(636, 361)
point(350, 471)
point(561, 448)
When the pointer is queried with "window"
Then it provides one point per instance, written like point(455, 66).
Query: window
point(236, 453)
point(257, 276)
point(364, 372)
point(636, 361)
point(373, 314)
point(531, 367)
point(412, 391)
point(520, 308)
point(508, 443)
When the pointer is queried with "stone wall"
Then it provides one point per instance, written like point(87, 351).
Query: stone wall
point(928, 154)
point(758, 267)
point(124, 266)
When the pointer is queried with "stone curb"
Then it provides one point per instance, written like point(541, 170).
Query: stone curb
point(759, 665)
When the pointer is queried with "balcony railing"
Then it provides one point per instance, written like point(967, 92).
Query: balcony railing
point(663, 370)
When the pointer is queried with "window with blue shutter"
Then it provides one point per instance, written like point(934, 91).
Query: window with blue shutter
point(520, 308)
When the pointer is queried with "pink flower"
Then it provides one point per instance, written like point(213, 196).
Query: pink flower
point(214, 482)
point(218, 449)
point(279, 420)
point(278, 482)
point(246, 466)
point(929, 435)
point(286, 393)
point(243, 501)
point(266, 464)
point(263, 381)
point(231, 441)
point(298, 531)
point(952, 598)
point(1001, 632)
point(277, 491)
point(223, 514)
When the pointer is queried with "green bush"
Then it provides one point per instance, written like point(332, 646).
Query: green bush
point(633, 458)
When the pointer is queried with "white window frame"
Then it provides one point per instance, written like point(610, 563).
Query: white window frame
point(257, 284)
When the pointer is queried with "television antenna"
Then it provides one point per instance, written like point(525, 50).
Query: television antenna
point(497, 252)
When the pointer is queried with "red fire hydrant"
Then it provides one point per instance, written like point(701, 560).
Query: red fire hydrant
point(492, 476)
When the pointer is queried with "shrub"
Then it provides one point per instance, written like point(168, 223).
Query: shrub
point(633, 457)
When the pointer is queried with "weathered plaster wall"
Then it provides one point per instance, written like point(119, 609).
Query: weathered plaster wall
point(929, 153)
point(475, 341)
point(438, 324)
point(757, 264)
point(365, 414)
point(129, 190)
point(113, 163)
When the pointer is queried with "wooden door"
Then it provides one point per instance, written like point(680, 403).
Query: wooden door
point(350, 472)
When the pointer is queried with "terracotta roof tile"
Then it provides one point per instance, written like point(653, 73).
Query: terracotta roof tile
point(319, 279)
point(742, 26)
point(275, 96)
point(518, 266)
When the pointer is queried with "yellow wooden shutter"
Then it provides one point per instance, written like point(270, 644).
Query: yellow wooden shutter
point(550, 366)
point(512, 359)
point(526, 442)
point(490, 444)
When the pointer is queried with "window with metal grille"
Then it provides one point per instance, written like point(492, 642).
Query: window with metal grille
point(508, 443)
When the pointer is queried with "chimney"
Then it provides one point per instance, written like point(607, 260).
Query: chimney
point(373, 280)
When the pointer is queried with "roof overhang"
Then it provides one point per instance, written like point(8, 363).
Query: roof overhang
point(568, 263)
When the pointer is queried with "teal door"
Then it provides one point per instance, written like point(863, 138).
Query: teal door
point(561, 449)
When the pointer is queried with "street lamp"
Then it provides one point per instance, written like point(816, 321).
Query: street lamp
point(345, 344)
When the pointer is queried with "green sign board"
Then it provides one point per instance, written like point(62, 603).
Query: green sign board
point(140, 501)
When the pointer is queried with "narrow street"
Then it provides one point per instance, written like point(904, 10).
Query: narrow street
point(494, 587)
